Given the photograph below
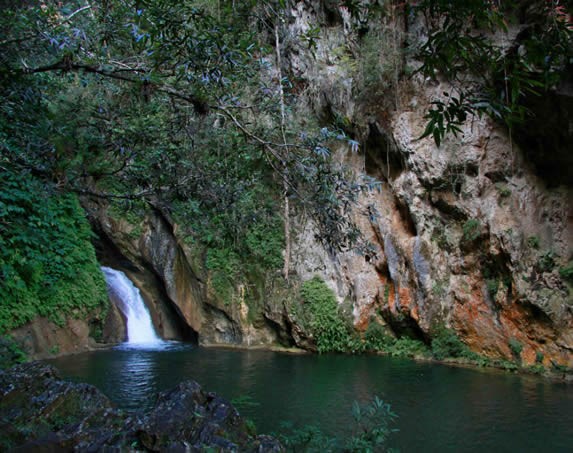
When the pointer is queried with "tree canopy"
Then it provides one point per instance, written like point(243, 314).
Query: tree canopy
point(175, 106)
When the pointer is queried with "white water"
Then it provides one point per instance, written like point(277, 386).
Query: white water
point(125, 294)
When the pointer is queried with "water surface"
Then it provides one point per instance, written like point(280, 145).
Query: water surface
point(440, 408)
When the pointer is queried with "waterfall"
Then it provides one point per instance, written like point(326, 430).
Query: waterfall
point(127, 297)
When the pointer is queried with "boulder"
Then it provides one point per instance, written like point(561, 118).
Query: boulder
point(41, 412)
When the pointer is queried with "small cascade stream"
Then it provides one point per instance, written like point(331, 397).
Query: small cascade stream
point(126, 296)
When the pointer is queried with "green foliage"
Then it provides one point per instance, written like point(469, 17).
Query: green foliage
point(439, 288)
point(492, 286)
point(487, 78)
point(503, 364)
point(445, 343)
point(407, 347)
point(372, 423)
point(440, 238)
point(446, 118)
point(376, 337)
point(380, 55)
point(516, 347)
point(533, 242)
point(566, 272)
point(471, 230)
point(546, 262)
point(536, 369)
point(47, 262)
point(306, 439)
point(169, 102)
point(504, 191)
point(224, 266)
point(327, 326)
point(244, 402)
point(10, 353)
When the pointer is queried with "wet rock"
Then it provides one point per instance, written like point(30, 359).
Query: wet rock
point(42, 412)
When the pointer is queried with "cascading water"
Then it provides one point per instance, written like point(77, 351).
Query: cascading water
point(123, 292)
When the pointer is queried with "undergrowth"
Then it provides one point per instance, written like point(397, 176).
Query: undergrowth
point(47, 262)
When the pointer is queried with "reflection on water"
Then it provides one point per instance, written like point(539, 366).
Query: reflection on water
point(440, 408)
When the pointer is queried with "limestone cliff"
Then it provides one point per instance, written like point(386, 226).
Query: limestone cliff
point(175, 284)
point(470, 235)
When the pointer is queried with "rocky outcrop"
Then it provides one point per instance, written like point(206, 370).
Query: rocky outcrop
point(471, 235)
point(466, 235)
point(42, 338)
point(176, 287)
point(41, 412)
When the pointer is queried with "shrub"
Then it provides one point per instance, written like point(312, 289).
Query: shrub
point(407, 347)
point(372, 425)
point(546, 262)
point(326, 324)
point(48, 265)
point(533, 242)
point(10, 353)
point(516, 347)
point(445, 343)
point(376, 338)
point(566, 272)
point(471, 230)
point(224, 265)
point(371, 428)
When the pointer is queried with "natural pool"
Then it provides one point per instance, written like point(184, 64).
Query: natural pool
point(440, 408)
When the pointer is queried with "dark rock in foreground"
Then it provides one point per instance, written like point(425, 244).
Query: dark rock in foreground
point(41, 412)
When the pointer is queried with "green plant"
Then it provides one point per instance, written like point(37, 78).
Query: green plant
point(471, 230)
point(546, 262)
point(306, 439)
point(504, 191)
point(445, 343)
point(566, 272)
point(47, 262)
point(325, 322)
point(439, 288)
point(244, 402)
point(440, 237)
point(10, 352)
point(224, 266)
point(407, 347)
point(372, 425)
point(251, 427)
point(504, 364)
point(533, 242)
point(516, 347)
point(376, 337)
point(460, 47)
point(536, 369)
point(539, 357)
point(492, 287)
point(54, 350)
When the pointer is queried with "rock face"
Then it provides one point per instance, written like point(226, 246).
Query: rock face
point(175, 285)
point(41, 412)
point(43, 338)
point(467, 235)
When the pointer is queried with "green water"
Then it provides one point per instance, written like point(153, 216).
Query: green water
point(440, 408)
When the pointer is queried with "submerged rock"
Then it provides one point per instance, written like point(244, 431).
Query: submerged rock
point(41, 412)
